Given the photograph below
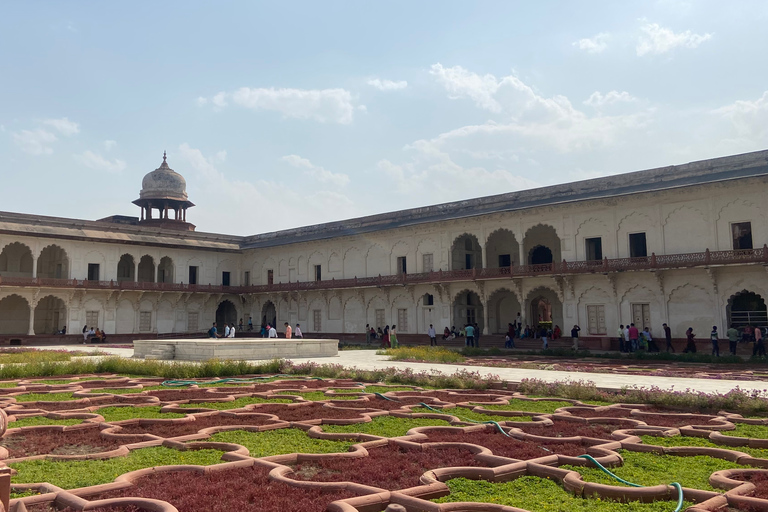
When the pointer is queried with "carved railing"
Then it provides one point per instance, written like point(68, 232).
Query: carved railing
point(652, 262)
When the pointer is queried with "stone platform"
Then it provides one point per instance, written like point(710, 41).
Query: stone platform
point(234, 349)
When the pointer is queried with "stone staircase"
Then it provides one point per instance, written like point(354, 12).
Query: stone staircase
point(162, 352)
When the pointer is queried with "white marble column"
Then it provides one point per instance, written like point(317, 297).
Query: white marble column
point(31, 331)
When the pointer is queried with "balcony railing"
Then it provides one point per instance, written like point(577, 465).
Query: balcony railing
point(652, 262)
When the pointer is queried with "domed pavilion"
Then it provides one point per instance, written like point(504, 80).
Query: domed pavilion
point(164, 190)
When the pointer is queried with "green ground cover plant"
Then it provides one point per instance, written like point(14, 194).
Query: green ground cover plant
point(760, 453)
point(38, 356)
point(23, 494)
point(316, 396)
point(385, 389)
point(385, 426)
point(653, 469)
point(33, 421)
point(515, 404)
point(745, 430)
point(466, 414)
point(123, 391)
point(236, 404)
point(45, 397)
point(278, 442)
point(425, 354)
point(541, 495)
point(8, 384)
point(128, 413)
point(72, 474)
point(54, 382)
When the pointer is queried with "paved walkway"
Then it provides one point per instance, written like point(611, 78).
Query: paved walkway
point(368, 360)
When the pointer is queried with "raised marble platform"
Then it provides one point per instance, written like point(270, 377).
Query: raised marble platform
point(234, 349)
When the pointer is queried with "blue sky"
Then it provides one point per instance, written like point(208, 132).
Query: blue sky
point(284, 114)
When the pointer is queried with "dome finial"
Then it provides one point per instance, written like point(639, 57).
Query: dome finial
point(163, 156)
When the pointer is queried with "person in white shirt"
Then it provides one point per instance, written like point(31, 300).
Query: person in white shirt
point(231, 331)
point(226, 331)
point(297, 332)
point(626, 339)
point(432, 335)
point(272, 332)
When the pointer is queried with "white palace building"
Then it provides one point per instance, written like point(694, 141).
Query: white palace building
point(683, 245)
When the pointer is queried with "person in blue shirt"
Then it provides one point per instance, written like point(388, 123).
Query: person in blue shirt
point(470, 332)
point(213, 332)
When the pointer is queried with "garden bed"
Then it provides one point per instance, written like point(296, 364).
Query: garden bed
point(169, 429)
point(72, 441)
point(562, 428)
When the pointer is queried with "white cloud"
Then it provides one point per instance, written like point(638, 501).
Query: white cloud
point(657, 39)
point(749, 119)
point(595, 44)
point(201, 101)
point(99, 163)
point(298, 204)
point(387, 85)
point(63, 126)
point(109, 144)
point(598, 99)
point(35, 142)
point(317, 172)
point(323, 105)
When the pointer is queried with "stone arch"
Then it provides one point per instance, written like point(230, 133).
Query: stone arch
point(503, 307)
point(593, 290)
point(95, 258)
point(636, 222)
point(746, 308)
point(316, 258)
point(353, 263)
point(686, 230)
point(125, 317)
point(690, 305)
point(405, 321)
point(269, 264)
point(466, 252)
point(16, 260)
point(354, 315)
point(502, 249)
point(166, 318)
point(126, 268)
point(146, 272)
point(740, 211)
point(165, 270)
point(377, 261)
point(541, 243)
point(334, 308)
point(226, 313)
point(400, 250)
point(637, 288)
point(50, 315)
point(14, 314)
point(468, 308)
point(334, 263)
point(544, 302)
point(378, 303)
point(427, 246)
point(269, 313)
point(53, 263)
point(589, 223)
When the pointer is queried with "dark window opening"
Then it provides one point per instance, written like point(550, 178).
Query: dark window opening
point(247, 279)
point(468, 261)
point(225, 278)
point(594, 248)
point(270, 276)
point(505, 260)
point(468, 245)
point(540, 255)
point(401, 267)
point(318, 273)
point(192, 275)
point(93, 271)
point(429, 300)
point(637, 246)
point(742, 235)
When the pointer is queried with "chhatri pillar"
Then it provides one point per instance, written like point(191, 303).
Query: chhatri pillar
point(164, 189)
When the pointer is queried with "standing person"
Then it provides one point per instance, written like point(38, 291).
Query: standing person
point(367, 334)
point(544, 342)
point(509, 342)
point(393, 337)
point(668, 336)
point(271, 332)
point(85, 334)
point(758, 334)
point(714, 337)
point(250, 323)
point(240, 325)
point(648, 338)
point(518, 324)
point(477, 335)
point(213, 332)
point(626, 338)
point(620, 334)
point(226, 330)
point(690, 346)
point(470, 333)
point(575, 337)
point(231, 331)
point(634, 335)
point(385, 337)
point(297, 332)
point(264, 331)
point(288, 331)
point(432, 335)
point(733, 338)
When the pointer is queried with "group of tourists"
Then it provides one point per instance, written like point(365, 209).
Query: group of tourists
point(387, 336)
point(470, 333)
point(267, 330)
point(92, 335)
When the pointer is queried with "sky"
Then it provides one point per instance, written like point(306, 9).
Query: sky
point(285, 114)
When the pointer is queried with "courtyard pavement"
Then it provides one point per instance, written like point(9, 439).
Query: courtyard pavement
point(369, 360)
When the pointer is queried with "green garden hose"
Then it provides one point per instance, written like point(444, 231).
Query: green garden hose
point(607, 472)
point(178, 383)
point(489, 422)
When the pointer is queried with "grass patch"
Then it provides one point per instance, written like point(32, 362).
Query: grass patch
point(760, 453)
point(71, 474)
point(541, 495)
point(464, 413)
point(282, 441)
point(316, 396)
point(745, 430)
point(54, 382)
point(9, 384)
point(23, 494)
point(129, 413)
point(236, 404)
point(123, 391)
point(34, 421)
point(45, 397)
point(385, 389)
point(652, 469)
point(423, 354)
point(515, 404)
point(386, 426)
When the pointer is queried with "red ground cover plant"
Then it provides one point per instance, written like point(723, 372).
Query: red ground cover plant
point(760, 481)
point(388, 467)
point(671, 421)
point(175, 429)
point(67, 405)
point(570, 428)
point(172, 395)
point(612, 412)
point(307, 412)
point(67, 442)
point(244, 489)
point(383, 404)
point(504, 446)
point(445, 396)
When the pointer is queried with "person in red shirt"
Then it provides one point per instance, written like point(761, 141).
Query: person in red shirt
point(634, 335)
